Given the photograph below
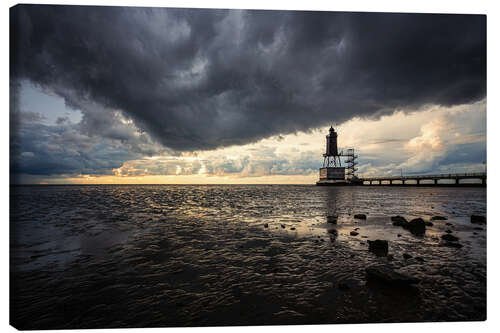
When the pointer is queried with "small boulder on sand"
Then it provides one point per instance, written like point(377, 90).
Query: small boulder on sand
point(379, 247)
point(398, 221)
point(416, 226)
point(354, 233)
point(449, 238)
point(452, 244)
point(478, 219)
point(387, 275)
point(360, 216)
point(437, 217)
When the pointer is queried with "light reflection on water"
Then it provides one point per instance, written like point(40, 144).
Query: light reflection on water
point(199, 251)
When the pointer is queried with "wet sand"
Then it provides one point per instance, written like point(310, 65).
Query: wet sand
point(149, 256)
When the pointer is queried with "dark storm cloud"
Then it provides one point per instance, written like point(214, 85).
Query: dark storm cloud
point(200, 79)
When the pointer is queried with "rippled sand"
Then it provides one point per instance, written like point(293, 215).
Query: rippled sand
point(142, 256)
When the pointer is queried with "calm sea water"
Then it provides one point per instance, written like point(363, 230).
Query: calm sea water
point(142, 256)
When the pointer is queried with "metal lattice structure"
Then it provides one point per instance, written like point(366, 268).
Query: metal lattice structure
point(351, 162)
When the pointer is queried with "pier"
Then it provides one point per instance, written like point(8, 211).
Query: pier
point(427, 180)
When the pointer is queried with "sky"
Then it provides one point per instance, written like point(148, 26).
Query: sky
point(168, 95)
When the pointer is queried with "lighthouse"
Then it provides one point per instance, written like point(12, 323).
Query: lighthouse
point(332, 172)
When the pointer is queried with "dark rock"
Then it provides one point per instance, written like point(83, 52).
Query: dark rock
point(416, 226)
point(390, 257)
point(475, 233)
point(449, 238)
point(448, 223)
point(354, 233)
point(437, 217)
point(452, 244)
point(448, 231)
point(379, 247)
point(292, 228)
point(356, 229)
point(478, 219)
point(478, 228)
point(419, 259)
point(388, 276)
point(360, 216)
point(399, 235)
point(406, 256)
point(429, 224)
point(399, 221)
point(266, 225)
point(283, 226)
point(364, 236)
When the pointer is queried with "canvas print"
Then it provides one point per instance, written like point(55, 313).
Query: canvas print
point(215, 167)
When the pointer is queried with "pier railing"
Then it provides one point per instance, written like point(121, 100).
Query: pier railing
point(434, 177)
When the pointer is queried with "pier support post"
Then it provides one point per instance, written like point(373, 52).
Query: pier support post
point(435, 181)
point(418, 181)
point(390, 182)
point(403, 181)
point(457, 181)
point(483, 181)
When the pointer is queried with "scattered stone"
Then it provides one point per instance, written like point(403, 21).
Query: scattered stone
point(388, 276)
point(429, 224)
point(448, 231)
point(475, 233)
point(283, 226)
point(360, 216)
point(416, 226)
point(478, 219)
point(292, 228)
point(356, 229)
point(399, 235)
point(364, 236)
point(354, 233)
point(406, 256)
point(390, 257)
point(448, 223)
point(379, 247)
point(419, 259)
point(266, 225)
point(399, 221)
point(437, 217)
point(332, 219)
point(478, 228)
point(453, 244)
point(449, 238)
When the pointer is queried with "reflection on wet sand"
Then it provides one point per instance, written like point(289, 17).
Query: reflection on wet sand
point(143, 256)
